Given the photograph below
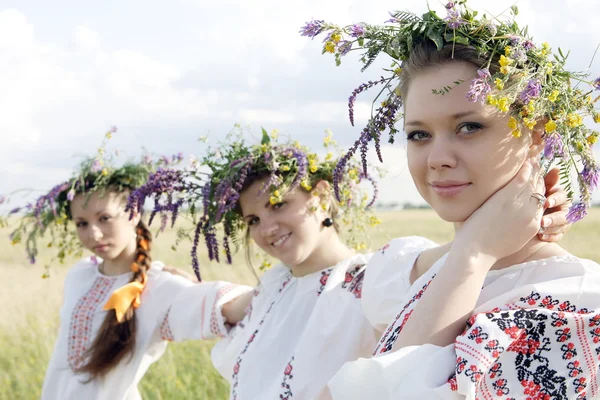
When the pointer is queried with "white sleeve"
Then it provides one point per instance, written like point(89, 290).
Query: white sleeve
point(386, 279)
point(194, 312)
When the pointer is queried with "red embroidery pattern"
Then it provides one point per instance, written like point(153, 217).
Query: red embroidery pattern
point(323, 281)
point(214, 322)
point(165, 328)
point(353, 281)
point(391, 334)
point(239, 360)
point(536, 329)
point(287, 376)
point(82, 317)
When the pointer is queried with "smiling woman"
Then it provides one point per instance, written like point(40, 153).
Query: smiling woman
point(496, 313)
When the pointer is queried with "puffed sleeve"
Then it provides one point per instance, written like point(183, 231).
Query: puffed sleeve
point(386, 280)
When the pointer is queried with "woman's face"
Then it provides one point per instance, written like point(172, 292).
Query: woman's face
point(102, 225)
point(459, 153)
point(288, 231)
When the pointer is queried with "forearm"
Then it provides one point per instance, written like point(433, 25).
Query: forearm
point(235, 310)
point(440, 315)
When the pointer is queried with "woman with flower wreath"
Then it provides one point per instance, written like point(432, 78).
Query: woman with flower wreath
point(496, 313)
point(120, 308)
point(306, 316)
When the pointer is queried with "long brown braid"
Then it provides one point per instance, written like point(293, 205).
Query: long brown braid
point(116, 340)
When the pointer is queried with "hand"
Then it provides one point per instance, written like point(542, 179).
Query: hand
point(554, 222)
point(176, 271)
point(509, 219)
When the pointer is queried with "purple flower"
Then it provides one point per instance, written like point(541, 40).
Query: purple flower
point(577, 212)
point(165, 160)
point(553, 146)
point(301, 164)
point(312, 28)
point(71, 195)
point(591, 176)
point(96, 166)
point(14, 210)
point(450, 5)
point(454, 19)
point(2, 199)
point(113, 129)
point(479, 86)
point(518, 54)
point(596, 83)
point(147, 159)
point(177, 157)
point(359, 90)
point(194, 253)
point(357, 30)
point(514, 40)
point(533, 90)
point(344, 47)
point(528, 45)
point(491, 27)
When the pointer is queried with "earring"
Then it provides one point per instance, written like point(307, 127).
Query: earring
point(327, 222)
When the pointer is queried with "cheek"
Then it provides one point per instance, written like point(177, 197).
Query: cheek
point(416, 158)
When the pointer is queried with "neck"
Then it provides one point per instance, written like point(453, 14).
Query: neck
point(122, 263)
point(331, 252)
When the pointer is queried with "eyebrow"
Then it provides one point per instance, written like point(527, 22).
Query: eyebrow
point(267, 204)
point(453, 116)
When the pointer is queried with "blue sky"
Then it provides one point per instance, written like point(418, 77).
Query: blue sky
point(166, 73)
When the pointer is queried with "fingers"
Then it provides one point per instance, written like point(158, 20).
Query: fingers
point(545, 237)
point(557, 199)
point(551, 180)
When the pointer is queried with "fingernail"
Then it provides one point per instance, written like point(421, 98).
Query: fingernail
point(544, 237)
point(551, 203)
point(546, 222)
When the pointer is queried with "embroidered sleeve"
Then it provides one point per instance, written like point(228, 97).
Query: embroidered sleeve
point(539, 348)
point(194, 312)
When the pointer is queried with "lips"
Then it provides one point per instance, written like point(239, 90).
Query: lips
point(449, 188)
point(101, 248)
point(281, 240)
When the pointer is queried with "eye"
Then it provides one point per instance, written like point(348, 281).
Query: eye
point(253, 221)
point(81, 224)
point(277, 206)
point(417, 136)
point(469, 128)
point(105, 218)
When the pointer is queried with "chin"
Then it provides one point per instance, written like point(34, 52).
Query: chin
point(451, 213)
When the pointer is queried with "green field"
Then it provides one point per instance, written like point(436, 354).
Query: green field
point(29, 312)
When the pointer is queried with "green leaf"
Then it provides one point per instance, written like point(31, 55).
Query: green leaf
point(514, 9)
point(266, 139)
point(436, 37)
point(361, 41)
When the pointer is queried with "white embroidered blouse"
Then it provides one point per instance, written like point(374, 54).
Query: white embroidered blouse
point(535, 334)
point(172, 308)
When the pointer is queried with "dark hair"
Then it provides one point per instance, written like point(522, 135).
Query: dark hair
point(425, 55)
point(116, 340)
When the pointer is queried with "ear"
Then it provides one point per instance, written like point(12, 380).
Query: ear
point(537, 140)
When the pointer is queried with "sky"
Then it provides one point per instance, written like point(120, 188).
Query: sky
point(167, 73)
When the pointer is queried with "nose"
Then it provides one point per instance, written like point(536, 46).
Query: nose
point(441, 153)
point(94, 233)
point(268, 227)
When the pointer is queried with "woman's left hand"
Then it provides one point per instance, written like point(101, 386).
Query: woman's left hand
point(554, 222)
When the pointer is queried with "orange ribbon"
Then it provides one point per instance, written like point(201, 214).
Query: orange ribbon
point(125, 297)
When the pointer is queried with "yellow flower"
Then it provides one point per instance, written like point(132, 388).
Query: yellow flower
point(329, 156)
point(503, 104)
point(529, 123)
point(593, 138)
point(305, 185)
point(374, 221)
point(15, 241)
point(297, 145)
point(499, 84)
point(516, 133)
point(530, 108)
point(492, 100)
point(104, 172)
point(275, 133)
point(550, 126)
point(274, 200)
point(336, 37)
point(352, 173)
point(553, 96)
point(285, 168)
point(398, 71)
point(324, 207)
point(549, 68)
point(512, 123)
point(108, 135)
point(346, 193)
point(597, 118)
point(507, 51)
point(574, 120)
point(264, 148)
point(330, 47)
point(265, 265)
point(505, 61)
point(276, 193)
point(545, 48)
point(505, 70)
point(360, 246)
point(313, 168)
point(312, 156)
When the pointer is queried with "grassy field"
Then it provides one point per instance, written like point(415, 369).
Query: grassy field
point(29, 312)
